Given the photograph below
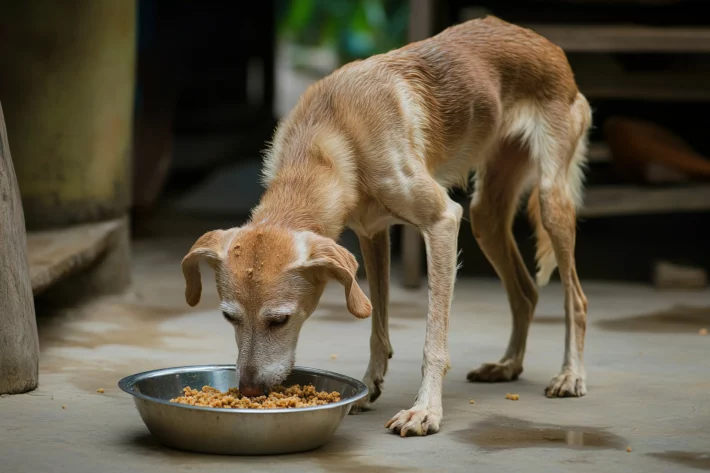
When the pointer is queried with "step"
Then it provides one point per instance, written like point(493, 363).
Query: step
point(625, 38)
point(605, 201)
point(57, 254)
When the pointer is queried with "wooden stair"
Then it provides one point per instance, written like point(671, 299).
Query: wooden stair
point(57, 254)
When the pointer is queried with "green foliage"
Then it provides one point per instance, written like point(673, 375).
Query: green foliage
point(356, 28)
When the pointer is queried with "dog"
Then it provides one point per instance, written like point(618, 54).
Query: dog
point(381, 142)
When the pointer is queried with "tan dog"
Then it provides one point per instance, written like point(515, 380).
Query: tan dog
point(378, 143)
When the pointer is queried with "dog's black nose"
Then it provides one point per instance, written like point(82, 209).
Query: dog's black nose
point(249, 390)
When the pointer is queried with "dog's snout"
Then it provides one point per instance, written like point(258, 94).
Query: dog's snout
point(250, 390)
point(248, 385)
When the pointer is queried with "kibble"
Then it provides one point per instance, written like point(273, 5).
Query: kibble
point(628, 449)
point(279, 398)
point(512, 397)
point(471, 401)
point(703, 331)
point(100, 390)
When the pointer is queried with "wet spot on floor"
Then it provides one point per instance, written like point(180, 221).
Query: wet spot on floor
point(125, 325)
point(108, 323)
point(678, 319)
point(89, 375)
point(697, 460)
point(503, 433)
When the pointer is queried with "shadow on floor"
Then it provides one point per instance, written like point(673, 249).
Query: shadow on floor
point(336, 456)
point(697, 460)
point(678, 319)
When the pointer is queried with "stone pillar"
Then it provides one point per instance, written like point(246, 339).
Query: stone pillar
point(67, 84)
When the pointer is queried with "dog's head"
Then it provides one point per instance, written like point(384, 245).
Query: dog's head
point(269, 282)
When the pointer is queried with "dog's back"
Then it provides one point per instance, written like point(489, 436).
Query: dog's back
point(480, 73)
point(518, 63)
point(449, 97)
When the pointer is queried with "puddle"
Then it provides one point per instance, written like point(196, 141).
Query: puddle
point(697, 460)
point(678, 319)
point(503, 433)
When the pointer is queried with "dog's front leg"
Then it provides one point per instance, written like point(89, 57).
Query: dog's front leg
point(376, 254)
point(440, 238)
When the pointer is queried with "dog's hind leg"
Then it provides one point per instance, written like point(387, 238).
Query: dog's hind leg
point(559, 196)
point(498, 189)
point(376, 254)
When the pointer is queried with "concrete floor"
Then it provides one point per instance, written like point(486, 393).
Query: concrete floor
point(647, 377)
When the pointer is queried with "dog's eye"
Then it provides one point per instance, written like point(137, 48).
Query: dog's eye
point(230, 318)
point(278, 322)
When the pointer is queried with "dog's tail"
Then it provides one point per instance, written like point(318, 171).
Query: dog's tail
point(544, 254)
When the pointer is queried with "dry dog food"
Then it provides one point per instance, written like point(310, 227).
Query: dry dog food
point(278, 398)
point(512, 397)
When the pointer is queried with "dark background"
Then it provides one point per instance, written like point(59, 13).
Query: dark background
point(205, 54)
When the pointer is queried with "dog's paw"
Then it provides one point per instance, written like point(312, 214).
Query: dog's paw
point(374, 385)
point(508, 370)
point(363, 405)
point(566, 384)
point(374, 388)
point(417, 421)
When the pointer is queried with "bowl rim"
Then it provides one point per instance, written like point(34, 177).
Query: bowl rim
point(128, 382)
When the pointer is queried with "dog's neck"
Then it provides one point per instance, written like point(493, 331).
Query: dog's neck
point(307, 194)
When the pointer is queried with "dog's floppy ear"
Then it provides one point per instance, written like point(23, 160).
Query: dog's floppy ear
point(339, 264)
point(210, 248)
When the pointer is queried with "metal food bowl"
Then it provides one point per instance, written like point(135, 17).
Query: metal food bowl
point(237, 431)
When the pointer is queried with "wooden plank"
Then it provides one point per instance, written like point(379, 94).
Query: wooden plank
point(598, 153)
point(671, 276)
point(625, 38)
point(56, 254)
point(604, 201)
point(602, 76)
point(19, 346)
point(656, 86)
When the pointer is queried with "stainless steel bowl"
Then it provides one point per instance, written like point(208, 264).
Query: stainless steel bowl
point(237, 431)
